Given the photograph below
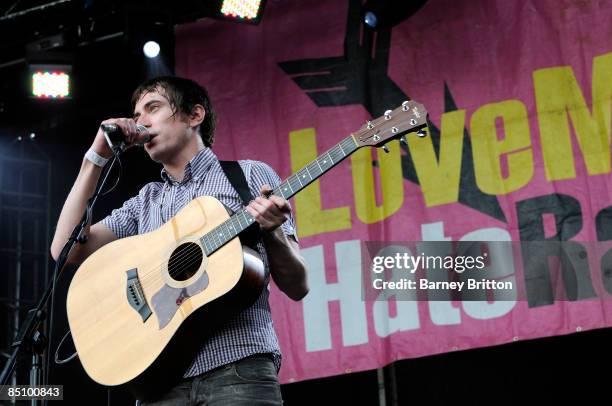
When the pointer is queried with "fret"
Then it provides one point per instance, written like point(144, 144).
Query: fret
point(225, 233)
point(235, 231)
point(296, 176)
point(242, 220)
point(287, 184)
point(339, 152)
point(297, 184)
point(302, 175)
point(283, 190)
point(213, 244)
point(229, 226)
point(330, 157)
point(313, 169)
point(277, 190)
point(211, 240)
point(230, 234)
point(219, 234)
point(323, 163)
point(237, 216)
point(206, 244)
point(234, 228)
point(317, 161)
point(247, 218)
point(308, 171)
point(332, 154)
point(348, 144)
point(216, 239)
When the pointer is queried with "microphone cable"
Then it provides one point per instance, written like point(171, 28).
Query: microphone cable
point(56, 273)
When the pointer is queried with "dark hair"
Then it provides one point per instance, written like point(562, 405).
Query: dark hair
point(182, 94)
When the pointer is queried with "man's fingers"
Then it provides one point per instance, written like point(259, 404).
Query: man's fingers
point(267, 216)
point(267, 209)
point(281, 203)
point(265, 190)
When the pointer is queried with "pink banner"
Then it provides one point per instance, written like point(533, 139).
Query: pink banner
point(519, 99)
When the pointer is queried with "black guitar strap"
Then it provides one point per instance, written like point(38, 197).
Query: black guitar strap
point(235, 175)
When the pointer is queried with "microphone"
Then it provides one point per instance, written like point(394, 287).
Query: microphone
point(116, 139)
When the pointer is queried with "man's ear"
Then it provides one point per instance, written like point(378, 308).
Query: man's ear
point(197, 115)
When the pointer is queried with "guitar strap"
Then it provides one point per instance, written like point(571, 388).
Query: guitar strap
point(236, 177)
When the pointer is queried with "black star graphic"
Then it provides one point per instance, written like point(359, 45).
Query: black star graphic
point(357, 78)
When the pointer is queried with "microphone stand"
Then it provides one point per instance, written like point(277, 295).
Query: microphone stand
point(30, 337)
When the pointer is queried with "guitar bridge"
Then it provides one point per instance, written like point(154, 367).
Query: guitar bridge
point(135, 295)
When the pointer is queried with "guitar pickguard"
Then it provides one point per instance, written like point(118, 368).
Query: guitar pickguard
point(168, 299)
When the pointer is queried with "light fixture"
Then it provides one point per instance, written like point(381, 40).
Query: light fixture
point(380, 14)
point(51, 81)
point(248, 11)
point(50, 61)
point(151, 49)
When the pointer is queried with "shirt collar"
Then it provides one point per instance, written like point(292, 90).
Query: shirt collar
point(196, 169)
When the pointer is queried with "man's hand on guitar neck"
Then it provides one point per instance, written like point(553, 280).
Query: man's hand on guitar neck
point(270, 211)
point(287, 266)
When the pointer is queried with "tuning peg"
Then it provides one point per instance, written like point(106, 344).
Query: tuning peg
point(403, 140)
point(369, 125)
point(405, 106)
point(388, 114)
point(385, 148)
point(422, 133)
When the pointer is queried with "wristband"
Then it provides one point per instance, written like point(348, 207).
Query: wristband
point(95, 159)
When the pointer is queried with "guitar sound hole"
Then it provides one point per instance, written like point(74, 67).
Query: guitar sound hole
point(185, 261)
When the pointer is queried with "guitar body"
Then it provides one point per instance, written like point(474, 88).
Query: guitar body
point(140, 307)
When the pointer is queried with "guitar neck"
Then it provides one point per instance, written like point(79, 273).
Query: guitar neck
point(241, 220)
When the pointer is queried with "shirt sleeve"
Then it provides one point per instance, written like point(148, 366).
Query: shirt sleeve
point(124, 220)
point(262, 174)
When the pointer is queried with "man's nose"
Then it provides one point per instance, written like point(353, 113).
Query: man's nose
point(143, 120)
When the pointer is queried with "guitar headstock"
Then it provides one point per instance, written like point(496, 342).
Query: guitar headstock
point(410, 116)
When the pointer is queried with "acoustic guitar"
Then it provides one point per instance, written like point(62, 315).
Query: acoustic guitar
point(139, 307)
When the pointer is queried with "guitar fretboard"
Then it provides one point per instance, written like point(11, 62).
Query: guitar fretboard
point(229, 229)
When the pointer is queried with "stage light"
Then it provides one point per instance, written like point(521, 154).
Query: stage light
point(149, 36)
point(243, 10)
point(151, 49)
point(379, 14)
point(50, 61)
point(370, 19)
point(50, 82)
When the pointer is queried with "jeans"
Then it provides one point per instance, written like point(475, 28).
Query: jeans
point(249, 381)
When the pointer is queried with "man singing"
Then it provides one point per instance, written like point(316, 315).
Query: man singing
point(238, 362)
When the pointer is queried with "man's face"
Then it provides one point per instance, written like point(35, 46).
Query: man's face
point(153, 110)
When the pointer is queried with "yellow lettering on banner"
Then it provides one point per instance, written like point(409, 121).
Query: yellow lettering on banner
point(557, 93)
point(487, 149)
point(311, 217)
point(439, 178)
point(391, 183)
